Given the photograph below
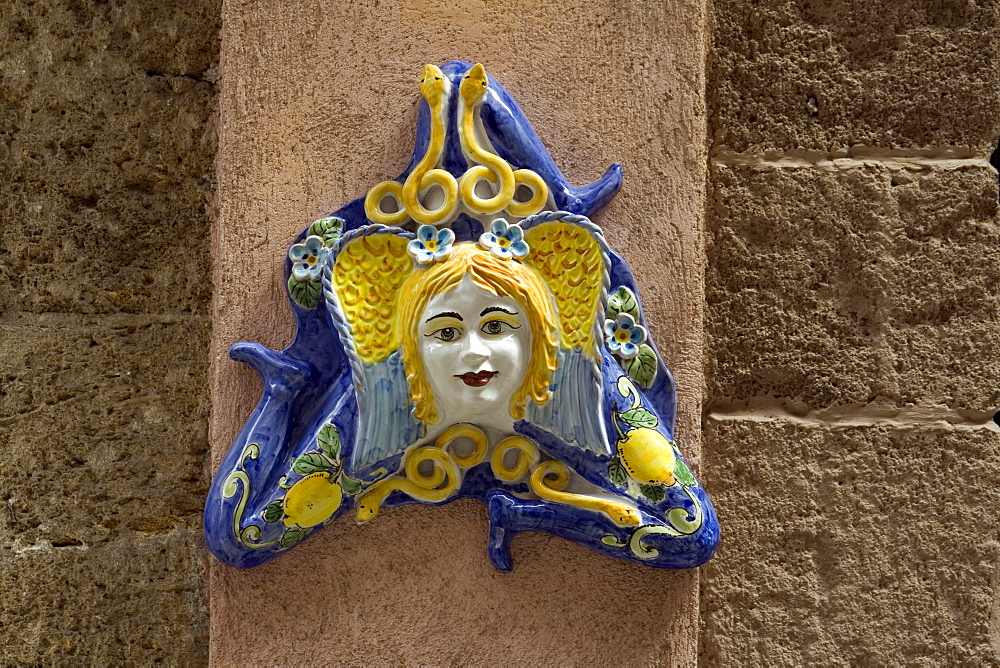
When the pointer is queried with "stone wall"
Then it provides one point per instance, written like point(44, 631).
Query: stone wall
point(106, 156)
point(853, 325)
point(847, 323)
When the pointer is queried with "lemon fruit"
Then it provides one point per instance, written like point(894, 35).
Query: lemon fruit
point(648, 456)
point(312, 500)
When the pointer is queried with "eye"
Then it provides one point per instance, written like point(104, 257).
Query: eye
point(447, 334)
point(496, 327)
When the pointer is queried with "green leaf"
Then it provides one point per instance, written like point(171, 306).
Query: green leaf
point(349, 485)
point(273, 512)
point(328, 227)
point(683, 474)
point(617, 472)
point(642, 367)
point(292, 535)
point(304, 293)
point(654, 493)
point(311, 462)
point(639, 417)
point(622, 301)
point(329, 441)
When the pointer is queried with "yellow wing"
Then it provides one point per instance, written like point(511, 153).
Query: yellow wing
point(367, 274)
point(571, 262)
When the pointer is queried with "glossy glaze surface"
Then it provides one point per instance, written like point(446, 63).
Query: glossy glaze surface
point(583, 448)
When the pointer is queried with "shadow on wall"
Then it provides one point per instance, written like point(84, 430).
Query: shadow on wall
point(995, 161)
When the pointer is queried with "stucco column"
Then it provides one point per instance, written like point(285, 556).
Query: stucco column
point(318, 103)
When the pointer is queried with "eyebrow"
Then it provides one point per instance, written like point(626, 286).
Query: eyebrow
point(491, 309)
point(446, 314)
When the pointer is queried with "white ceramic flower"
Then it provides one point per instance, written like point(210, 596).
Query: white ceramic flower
point(431, 244)
point(504, 240)
point(307, 258)
point(623, 336)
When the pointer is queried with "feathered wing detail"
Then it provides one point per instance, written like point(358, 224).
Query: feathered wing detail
point(570, 254)
point(369, 267)
point(367, 273)
point(571, 262)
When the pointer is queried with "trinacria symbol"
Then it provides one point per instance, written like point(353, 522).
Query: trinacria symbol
point(465, 331)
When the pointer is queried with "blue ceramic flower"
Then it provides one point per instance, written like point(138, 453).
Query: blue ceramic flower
point(431, 244)
point(624, 336)
point(307, 258)
point(504, 240)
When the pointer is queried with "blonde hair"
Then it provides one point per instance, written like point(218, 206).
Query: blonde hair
point(504, 278)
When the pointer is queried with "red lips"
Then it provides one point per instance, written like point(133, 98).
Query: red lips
point(477, 379)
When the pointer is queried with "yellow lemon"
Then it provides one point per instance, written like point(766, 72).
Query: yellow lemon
point(648, 456)
point(312, 500)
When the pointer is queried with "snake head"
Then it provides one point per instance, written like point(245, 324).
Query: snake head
point(367, 509)
point(626, 516)
point(474, 84)
point(434, 85)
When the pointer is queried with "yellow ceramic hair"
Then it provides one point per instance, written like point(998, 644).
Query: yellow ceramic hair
point(569, 260)
point(367, 276)
point(504, 278)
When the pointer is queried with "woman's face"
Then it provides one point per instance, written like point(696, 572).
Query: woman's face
point(475, 347)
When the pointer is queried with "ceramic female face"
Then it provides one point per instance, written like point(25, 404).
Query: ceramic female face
point(475, 348)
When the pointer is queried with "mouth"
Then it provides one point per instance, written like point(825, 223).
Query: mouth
point(477, 379)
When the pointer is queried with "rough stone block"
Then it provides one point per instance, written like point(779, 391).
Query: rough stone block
point(861, 285)
point(825, 75)
point(104, 426)
point(135, 601)
point(853, 546)
point(104, 162)
point(106, 150)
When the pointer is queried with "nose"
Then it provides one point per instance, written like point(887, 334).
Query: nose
point(475, 351)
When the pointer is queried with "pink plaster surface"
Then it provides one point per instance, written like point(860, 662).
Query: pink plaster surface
point(318, 103)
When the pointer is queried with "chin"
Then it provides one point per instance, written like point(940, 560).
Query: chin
point(483, 402)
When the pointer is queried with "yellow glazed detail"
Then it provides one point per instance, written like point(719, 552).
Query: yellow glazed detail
point(527, 456)
point(648, 456)
point(491, 166)
point(368, 273)
point(312, 500)
point(455, 432)
point(569, 260)
point(620, 513)
point(428, 487)
point(415, 484)
point(502, 278)
point(435, 87)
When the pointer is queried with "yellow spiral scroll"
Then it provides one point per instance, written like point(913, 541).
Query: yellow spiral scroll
point(436, 89)
point(366, 276)
point(527, 456)
point(457, 431)
point(550, 477)
point(437, 485)
point(570, 261)
point(416, 484)
point(489, 165)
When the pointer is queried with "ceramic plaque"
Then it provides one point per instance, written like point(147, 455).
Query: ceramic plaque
point(465, 331)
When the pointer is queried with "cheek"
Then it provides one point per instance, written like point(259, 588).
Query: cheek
point(435, 358)
point(514, 350)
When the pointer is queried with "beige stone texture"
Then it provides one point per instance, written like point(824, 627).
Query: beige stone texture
point(827, 75)
point(318, 103)
point(134, 602)
point(105, 167)
point(861, 285)
point(852, 323)
point(861, 546)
